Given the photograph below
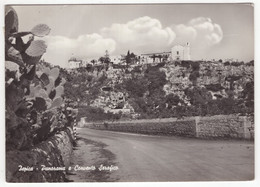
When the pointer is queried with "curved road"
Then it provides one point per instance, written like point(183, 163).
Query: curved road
point(164, 158)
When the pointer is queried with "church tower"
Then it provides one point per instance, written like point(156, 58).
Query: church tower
point(187, 51)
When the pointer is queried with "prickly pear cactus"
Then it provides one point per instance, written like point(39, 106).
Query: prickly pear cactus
point(34, 92)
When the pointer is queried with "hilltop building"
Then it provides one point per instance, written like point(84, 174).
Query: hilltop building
point(154, 57)
point(181, 52)
point(75, 63)
point(178, 52)
point(116, 59)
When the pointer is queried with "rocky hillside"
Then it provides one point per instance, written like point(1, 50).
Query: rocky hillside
point(168, 89)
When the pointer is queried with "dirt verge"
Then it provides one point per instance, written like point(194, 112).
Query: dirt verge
point(91, 162)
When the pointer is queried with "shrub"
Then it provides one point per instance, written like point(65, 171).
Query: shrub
point(214, 87)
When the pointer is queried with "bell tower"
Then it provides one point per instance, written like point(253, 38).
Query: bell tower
point(187, 51)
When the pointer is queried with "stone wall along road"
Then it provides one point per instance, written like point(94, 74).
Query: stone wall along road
point(219, 126)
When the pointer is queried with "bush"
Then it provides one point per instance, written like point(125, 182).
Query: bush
point(156, 78)
point(185, 64)
point(227, 63)
point(136, 87)
point(96, 114)
point(214, 87)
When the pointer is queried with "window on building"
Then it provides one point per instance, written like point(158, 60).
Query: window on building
point(177, 52)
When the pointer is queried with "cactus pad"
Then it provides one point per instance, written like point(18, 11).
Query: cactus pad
point(52, 94)
point(41, 30)
point(11, 66)
point(11, 21)
point(46, 70)
point(54, 73)
point(42, 93)
point(37, 48)
point(45, 79)
point(15, 56)
point(59, 91)
point(40, 104)
point(50, 86)
point(57, 103)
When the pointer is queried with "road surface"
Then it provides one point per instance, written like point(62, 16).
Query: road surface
point(144, 158)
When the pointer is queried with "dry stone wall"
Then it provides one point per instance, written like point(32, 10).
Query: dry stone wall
point(182, 128)
point(227, 126)
point(221, 126)
point(52, 153)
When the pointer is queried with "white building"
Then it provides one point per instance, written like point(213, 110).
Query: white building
point(116, 59)
point(154, 57)
point(75, 63)
point(181, 52)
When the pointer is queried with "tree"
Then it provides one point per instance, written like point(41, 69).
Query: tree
point(153, 57)
point(198, 96)
point(93, 62)
point(136, 87)
point(157, 78)
point(160, 57)
point(172, 100)
point(130, 58)
point(193, 77)
point(165, 57)
point(227, 63)
point(102, 60)
point(106, 58)
point(251, 63)
point(232, 79)
point(248, 96)
point(195, 66)
point(227, 105)
point(185, 63)
point(214, 87)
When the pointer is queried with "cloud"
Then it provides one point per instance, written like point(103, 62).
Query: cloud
point(144, 33)
point(185, 32)
point(200, 31)
point(61, 48)
point(141, 35)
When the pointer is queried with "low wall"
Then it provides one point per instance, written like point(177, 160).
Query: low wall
point(54, 152)
point(221, 126)
point(229, 126)
point(156, 126)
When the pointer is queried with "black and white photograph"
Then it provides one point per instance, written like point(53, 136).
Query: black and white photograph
point(152, 92)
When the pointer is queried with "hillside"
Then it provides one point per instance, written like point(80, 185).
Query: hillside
point(167, 89)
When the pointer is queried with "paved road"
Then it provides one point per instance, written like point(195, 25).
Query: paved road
point(160, 158)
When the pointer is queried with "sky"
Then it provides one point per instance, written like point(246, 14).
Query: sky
point(214, 31)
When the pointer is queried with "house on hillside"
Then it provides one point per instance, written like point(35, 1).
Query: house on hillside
point(178, 52)
point(116, 59)
point(181, 52)
point(154, 57)
point(74, 63)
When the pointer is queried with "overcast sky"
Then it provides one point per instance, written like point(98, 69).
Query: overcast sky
point(215, 31)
